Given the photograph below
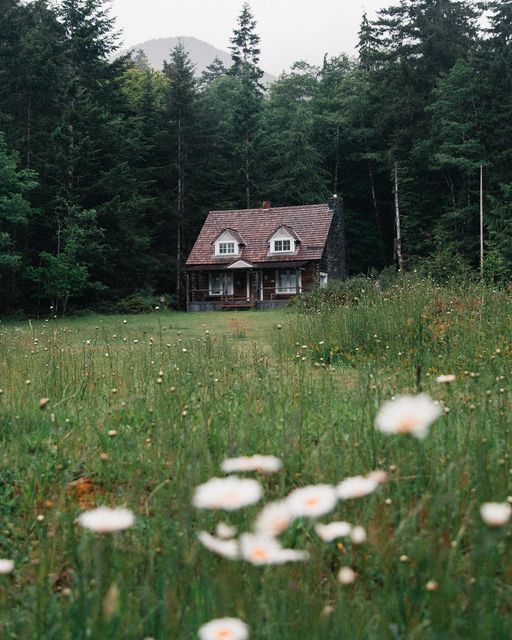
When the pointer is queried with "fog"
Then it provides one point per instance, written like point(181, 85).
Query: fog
point(290, 30)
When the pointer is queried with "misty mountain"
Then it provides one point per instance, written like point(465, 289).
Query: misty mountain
point(201, 53)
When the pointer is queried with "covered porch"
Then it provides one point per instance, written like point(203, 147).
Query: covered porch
point(242, 285)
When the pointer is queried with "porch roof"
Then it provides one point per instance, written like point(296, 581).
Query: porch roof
point(262, 265)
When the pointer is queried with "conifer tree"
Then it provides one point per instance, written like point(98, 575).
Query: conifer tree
point(247, 101)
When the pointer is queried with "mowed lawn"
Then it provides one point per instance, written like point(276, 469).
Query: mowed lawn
point(137, 411)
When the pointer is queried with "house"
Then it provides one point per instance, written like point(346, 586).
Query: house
point(263, 257)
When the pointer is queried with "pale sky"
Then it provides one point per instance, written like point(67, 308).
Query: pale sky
point(290, 30)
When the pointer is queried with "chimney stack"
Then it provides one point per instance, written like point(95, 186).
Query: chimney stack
point(266, 204)
point(336, 241)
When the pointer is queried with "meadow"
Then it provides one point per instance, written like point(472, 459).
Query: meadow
point(137, 411)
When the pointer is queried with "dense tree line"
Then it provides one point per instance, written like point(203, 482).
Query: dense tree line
point(108, 168)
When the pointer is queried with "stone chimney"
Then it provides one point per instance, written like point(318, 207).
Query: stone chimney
point(336, 241)
point(266, 204)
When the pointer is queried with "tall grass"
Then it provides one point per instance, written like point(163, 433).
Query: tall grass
point(181, 397)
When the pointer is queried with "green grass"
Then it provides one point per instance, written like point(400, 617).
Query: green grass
point(258, 382)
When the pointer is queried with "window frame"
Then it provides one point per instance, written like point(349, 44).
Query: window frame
point(288, 290)
point(226, 279)
point(225, 245)
point(282, 241)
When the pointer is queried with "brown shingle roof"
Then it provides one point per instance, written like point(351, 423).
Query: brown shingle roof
point(310, 223)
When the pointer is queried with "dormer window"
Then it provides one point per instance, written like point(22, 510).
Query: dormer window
point(229, 243)
point(281, 246)
point(226, 248)
point(283, 240)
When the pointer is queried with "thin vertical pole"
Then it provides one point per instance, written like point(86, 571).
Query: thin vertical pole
point(482, 220)
point(397, 223)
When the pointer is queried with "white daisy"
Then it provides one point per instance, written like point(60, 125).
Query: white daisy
point(333, 530)
point(6, 566)
point(274, 518)
point(106, 520)
point(224, 629)
point(261, 549)
point(346, 575)
point(225, 531)
point(496, 514)
point(227, 493)
point(356, 487)
point(408, 414)
point(226, 548)
point(313, 501)
point(445, 378)
point(263, 464)
point(358, 535)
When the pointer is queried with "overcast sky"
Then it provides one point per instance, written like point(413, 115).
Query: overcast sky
point(290, 30)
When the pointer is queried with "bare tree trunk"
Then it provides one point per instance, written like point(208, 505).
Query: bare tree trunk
point(376, 212)
point(482, 221)
point(397, 223)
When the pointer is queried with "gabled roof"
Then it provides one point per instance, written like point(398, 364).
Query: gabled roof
point(309, 223)
point(234, 234)
point(289, 230)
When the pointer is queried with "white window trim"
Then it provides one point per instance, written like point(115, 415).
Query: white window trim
point(276, 250)
point(227, 245)
point(225, 239)
point(288, 293)
point(279, 236)
point(228, 275)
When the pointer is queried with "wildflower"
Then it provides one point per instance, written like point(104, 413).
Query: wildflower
point(432, 585)
point(404, 558)
point(227, 493)
point(224, 629)
point(333, 530)
point(226, 548)
point(224, 531)
point(43, 402)
point(6, 566)
point(312, 501)
point(274, 518)
point(346, 575)
point(496, 514)
point(358, 535)
point(356, 487)
point(408, 414)
point(106, 520)
point(260, 549)
point(445, 378)
point(264, 464)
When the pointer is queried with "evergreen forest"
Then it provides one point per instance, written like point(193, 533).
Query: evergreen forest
point(108, 168)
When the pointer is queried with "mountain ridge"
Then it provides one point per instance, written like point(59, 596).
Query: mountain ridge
point(201, 53)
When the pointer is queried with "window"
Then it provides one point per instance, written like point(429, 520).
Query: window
point(286, 281)
point(280, 246)
point(226, 248)
point(323, 280)
point(221, 283)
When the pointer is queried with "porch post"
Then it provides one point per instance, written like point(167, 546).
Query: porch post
point(297, 282)
point(188, 287)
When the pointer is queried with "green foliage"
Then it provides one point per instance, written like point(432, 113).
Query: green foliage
point(150, 152)
point(145, 408)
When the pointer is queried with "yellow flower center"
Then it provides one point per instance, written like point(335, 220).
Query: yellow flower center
point(407, 423)
point(222, 634)
point(311, 502)
point(259, 554)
